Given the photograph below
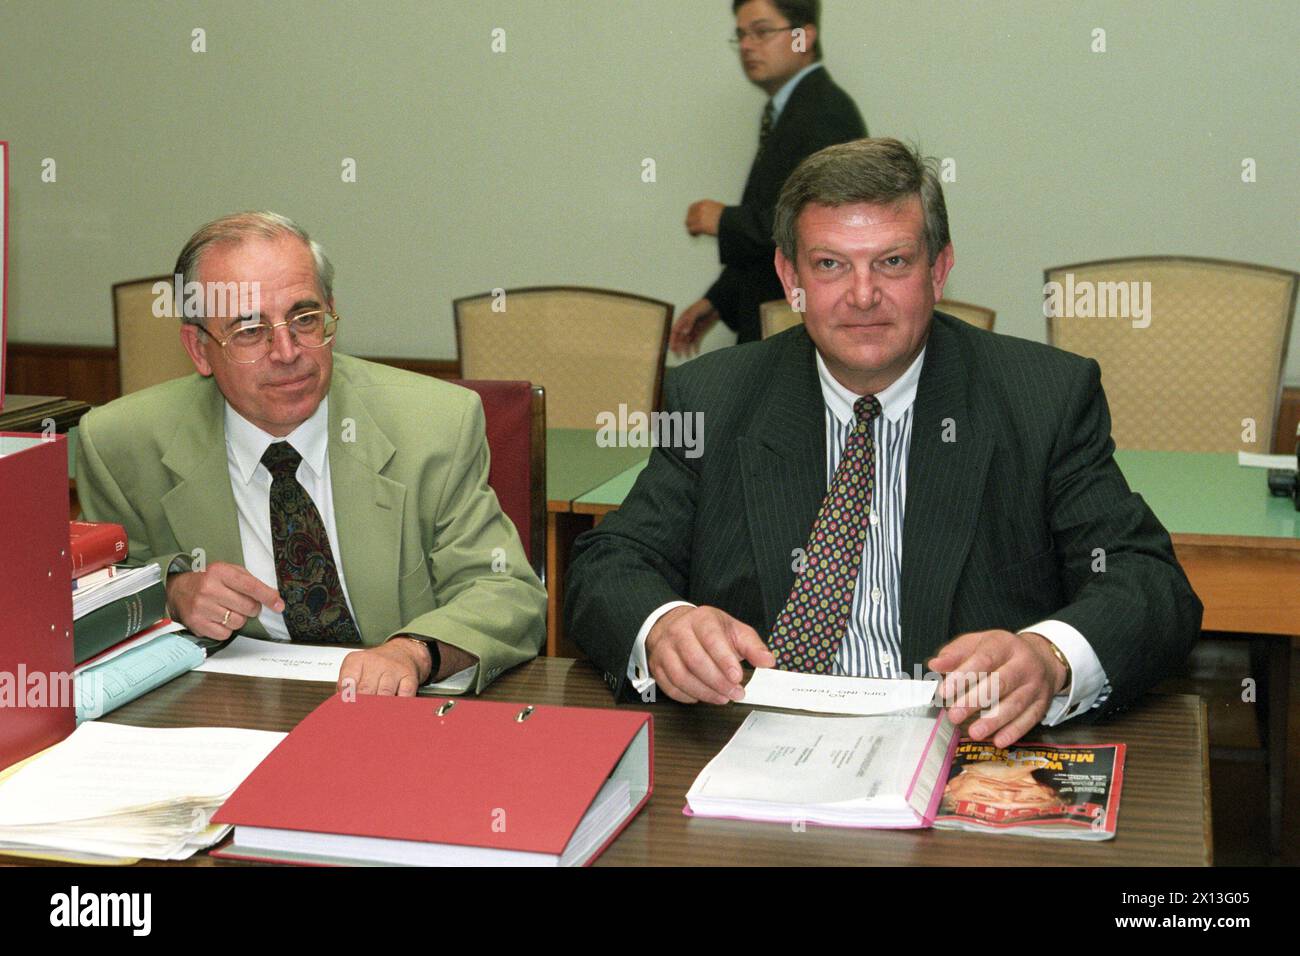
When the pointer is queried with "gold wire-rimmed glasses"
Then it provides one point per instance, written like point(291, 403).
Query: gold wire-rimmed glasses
point(252, 343)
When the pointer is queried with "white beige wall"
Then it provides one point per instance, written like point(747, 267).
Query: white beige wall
point(478, 169)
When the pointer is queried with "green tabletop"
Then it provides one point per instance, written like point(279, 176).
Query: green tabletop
point(575, 464)
point(612, 492)
point(1208, 493)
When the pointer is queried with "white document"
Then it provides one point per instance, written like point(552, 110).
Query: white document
point(823, 694)
point(104, 769)
point(250, 657)
point(1248, 459)
point(839, 771)
point(116, 791)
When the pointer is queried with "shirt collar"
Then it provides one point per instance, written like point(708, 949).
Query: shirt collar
point(894, 400)
point(248, 443)
point(782, 96)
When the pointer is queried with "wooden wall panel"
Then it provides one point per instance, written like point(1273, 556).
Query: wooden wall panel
point(89, 373)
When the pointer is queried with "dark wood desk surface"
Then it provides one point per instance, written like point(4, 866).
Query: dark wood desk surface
point(1164, 812)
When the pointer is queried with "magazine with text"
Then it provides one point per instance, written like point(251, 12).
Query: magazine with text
point(1061, 791)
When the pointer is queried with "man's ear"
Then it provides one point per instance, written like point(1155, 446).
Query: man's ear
point(787, 273)
point(190, 339)
point(939, 271)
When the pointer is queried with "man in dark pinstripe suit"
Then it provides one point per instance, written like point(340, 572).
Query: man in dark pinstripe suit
point(1001, 542)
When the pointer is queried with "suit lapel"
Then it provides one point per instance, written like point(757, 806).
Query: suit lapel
point(783, 470)
point(200, 507)
point(367, 509)
point(946, 470)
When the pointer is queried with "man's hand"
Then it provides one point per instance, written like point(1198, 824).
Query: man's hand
point(1027, 673)
point(397, 667)
point(691, 326)
point(215, 603)
point(703, 217)
point(694, 654)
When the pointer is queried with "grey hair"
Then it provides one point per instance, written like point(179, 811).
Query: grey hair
point(236, 228)
point(875, 171)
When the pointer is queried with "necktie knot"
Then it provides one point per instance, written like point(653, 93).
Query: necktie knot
point(281, 459)
point(866, 408)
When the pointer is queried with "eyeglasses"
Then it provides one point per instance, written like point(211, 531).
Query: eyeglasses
point(252, 343)
point(761, 34)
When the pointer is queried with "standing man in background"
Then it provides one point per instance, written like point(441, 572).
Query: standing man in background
point(780, 51)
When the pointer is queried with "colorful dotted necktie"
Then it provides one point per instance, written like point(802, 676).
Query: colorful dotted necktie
point(812, 625)
point(765, 128)
point(314, 608)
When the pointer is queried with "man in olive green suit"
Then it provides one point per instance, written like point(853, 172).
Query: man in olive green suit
point(997, 541)
point(419, 563)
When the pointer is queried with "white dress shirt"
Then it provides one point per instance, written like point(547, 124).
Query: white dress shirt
point(872, 644)
point(251, 483)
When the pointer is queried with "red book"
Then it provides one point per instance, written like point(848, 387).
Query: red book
point(433, 781)
point(95, 545)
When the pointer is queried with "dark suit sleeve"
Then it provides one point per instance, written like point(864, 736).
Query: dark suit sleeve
point(726, 294)
point(1136, 609)
point(635, 561)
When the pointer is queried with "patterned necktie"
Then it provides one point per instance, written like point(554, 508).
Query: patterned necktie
point(812, 625)
point(765, 128)
point(314, 608)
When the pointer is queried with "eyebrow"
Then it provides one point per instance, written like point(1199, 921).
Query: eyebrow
point(302, 305)
point(888, 250)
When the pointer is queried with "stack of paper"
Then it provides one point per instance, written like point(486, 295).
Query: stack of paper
point(115, 791)
point(124, 583)
point(883, 767)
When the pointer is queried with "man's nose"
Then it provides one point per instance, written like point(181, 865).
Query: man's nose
point(864, 291)
point(283, 348)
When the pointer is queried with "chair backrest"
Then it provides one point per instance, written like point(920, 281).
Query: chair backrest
point(1187, 359)
point(515, 416)
point(777, 316)
point(975, 315)
point(149, 348)
point(591, 349)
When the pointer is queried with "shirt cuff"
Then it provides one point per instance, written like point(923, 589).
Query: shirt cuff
point(1089, 685)
point(638, 670)
point(457, 683)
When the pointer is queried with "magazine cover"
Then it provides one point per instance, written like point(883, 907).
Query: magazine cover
point(1044, 790)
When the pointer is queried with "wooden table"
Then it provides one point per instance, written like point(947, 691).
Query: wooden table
point(1164, 813)
point(1240, 548)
